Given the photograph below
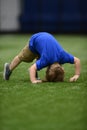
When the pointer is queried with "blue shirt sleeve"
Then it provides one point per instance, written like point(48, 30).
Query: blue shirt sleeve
point(42, 62)
point(66, 58)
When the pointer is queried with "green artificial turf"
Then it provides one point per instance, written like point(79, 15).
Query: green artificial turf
point(45, 106)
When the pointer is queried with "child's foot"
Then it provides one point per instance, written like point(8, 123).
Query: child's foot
point(7, 71)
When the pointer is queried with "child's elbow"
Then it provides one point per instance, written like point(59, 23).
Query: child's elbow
point(76, 60)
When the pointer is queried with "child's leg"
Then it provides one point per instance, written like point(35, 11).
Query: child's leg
point(15, 62)
point(25, 55)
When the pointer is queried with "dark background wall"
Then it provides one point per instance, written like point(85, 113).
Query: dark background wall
point(54, 16)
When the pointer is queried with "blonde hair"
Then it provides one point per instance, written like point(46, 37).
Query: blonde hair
point(55, 73)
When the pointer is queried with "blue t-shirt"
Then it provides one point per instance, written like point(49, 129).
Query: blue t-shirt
point(49, 50)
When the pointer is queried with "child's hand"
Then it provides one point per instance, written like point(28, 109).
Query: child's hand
point(37, 81)
point(74, 78)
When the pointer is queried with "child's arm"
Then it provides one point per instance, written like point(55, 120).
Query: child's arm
point(32, 71)
point(77, 69)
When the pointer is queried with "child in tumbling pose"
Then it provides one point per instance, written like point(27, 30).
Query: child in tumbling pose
point(49, 53)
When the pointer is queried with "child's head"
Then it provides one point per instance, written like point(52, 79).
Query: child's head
point(55, 73)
